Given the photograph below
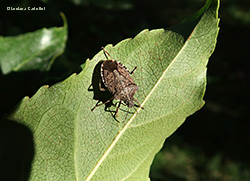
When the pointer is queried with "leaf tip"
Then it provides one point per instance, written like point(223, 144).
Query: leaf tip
point(64, 19)
point(45, 87)
point(26, 98)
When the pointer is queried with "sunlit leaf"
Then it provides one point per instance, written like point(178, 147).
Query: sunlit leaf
point(32, 51)
point(71, 142)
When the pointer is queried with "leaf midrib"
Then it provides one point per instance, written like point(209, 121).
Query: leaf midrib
point(134, 115)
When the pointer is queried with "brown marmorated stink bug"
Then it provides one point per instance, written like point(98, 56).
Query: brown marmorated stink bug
point(118, 81)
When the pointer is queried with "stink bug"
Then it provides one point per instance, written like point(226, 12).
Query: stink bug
point(118, 81)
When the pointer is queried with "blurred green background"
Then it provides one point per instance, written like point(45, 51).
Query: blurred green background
point(213, 143)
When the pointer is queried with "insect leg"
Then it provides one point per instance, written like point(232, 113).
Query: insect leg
point(117, 108)
point(97, 104)
point(123, 104)
point(125, 117)
point(133, 70)
point(100, 86)
point(138, 104)
point(89, 89)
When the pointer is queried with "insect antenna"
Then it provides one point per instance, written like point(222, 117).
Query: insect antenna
point(107, 53)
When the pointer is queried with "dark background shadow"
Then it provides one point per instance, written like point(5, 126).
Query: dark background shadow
point(16, 151)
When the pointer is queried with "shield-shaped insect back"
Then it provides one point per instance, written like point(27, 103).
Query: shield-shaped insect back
point(119, 83)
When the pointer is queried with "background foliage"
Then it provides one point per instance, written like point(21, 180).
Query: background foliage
point(213, 143)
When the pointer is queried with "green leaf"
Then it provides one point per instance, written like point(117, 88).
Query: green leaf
point(32, 51)
point(73, 143)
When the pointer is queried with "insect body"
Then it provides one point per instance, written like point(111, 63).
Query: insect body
point(117, 79)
